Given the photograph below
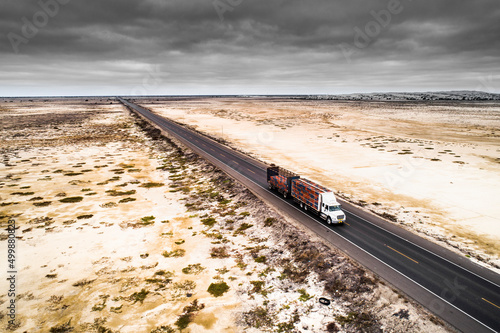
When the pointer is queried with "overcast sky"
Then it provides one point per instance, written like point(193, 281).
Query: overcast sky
point(148, 47)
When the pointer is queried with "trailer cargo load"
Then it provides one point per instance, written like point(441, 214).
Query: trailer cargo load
point(280, 179)
point(308, 192)
point(309, 195)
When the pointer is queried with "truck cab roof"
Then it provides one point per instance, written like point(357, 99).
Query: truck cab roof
point(329, 199)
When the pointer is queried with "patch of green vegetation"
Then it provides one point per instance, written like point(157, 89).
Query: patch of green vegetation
point(97, 326)
point(116, 309)
point(224, 201)
point(134, 170)
point(73, 173)
point(126, 166)
point(261, 259)
point(215, 235)
point(304, 296)
point(269, 221)
point(151, 184)
point(86, 216)
point(241, 265)
point(266, 271)
point(343, 320)
point(209, 221)
point(148, 219)
point(42, 204)
point(90, 193)
point(188, 315)
point(58, 171)
point(164, 273)
point(63, 328)
point(82, 283)
point(290, 325)
point(257, 286)
point(23, 193)
point(86, 189)
point(116, 193)
point(35, 199)
point(180, 241)
point(161, 278)
point(102, 305)
point(219, 252)
point(71, 199)
point(222, 270)
point(218, 289)
point(163, 329)
point(125, 200)
point(259, 317)
point(193, 269)
point(240, 204)
point(241, 229)
point(108, 205)
point(139, 296)
point(174, 254)
point(245, 214)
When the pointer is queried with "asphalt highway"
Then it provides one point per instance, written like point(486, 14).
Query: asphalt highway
point(457, 290)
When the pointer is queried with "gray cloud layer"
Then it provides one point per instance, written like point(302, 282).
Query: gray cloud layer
point(274, 46)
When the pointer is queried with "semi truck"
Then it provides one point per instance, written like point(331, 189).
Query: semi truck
point(307, 194)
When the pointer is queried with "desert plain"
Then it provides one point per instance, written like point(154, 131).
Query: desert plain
point(121, 229)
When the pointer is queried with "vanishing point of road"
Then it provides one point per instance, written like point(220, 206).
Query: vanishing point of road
point(451, 286)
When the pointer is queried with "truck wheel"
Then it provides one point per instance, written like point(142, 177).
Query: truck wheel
point(302, 205)
point(269, 186)
point(329, 220)
point(285, 194)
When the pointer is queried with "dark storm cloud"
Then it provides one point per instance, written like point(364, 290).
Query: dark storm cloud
point(293, 46)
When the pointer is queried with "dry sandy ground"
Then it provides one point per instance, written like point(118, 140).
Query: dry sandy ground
point(433, 166)
point(193, 249)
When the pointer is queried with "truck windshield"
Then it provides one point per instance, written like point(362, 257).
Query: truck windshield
point(334, 208)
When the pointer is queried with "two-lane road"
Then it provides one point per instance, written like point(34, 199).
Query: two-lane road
point(464, 294)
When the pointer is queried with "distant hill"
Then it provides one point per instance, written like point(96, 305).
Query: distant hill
point(417, 96)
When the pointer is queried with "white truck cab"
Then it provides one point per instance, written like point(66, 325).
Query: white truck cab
point(330, 210)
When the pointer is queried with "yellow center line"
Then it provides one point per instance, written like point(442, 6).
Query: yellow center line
point(404, 255)
point(251, 171)
point(484, 299)
point(346, 223)
point(222, 155)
